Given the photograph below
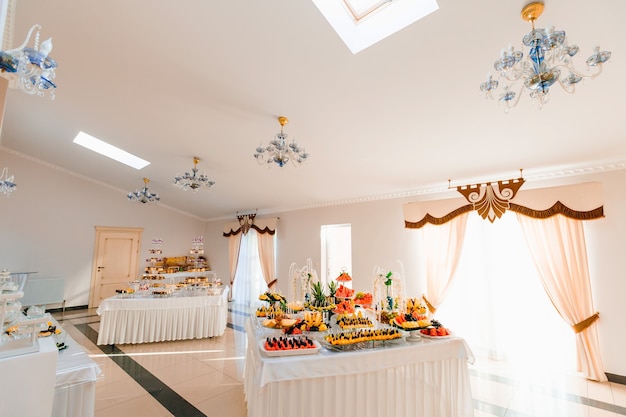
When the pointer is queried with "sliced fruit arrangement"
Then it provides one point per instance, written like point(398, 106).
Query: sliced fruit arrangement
point(313, 322)
point(288, 343)
point(346, 306)
point(269, 311)
point(436, 329)
point(410, 321)
point(344, 292)
point(363, 298)
point(354, 321)
point(414, 305)
point(362, 335)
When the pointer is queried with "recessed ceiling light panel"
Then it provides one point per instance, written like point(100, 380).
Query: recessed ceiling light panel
point(110, 151)
point(362, 23)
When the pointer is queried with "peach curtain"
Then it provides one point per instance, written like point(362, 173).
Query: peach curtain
point(557, 246)
point(234, 243)
point(266, 256)
point(442, 247)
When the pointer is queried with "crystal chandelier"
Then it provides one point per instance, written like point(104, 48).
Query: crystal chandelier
point(193, 181)
point(279, 152)
point(142, 195)
point(548, 57)
point(33, 67)
point(7, 186)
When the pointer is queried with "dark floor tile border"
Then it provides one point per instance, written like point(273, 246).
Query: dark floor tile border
point(168, 398)
point(239, 312)
point(618, 379)
point(236, 327)
point(66, 309)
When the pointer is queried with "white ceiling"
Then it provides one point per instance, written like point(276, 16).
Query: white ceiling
point(170, 80)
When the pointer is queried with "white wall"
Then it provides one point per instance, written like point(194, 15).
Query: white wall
point(48, 224)
point(379, 239)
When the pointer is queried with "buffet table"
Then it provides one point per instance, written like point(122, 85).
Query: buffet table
point(27, 382)
point(143, 319)
point(75, 389)
point(425, 378)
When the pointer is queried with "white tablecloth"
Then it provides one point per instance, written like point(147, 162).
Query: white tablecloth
point(147, 319)
point(75, 389)
point(428, 378)
point(27, 382)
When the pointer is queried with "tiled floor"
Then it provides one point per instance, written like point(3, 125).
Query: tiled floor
point(204, 378)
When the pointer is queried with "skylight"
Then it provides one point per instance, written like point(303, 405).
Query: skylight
point(362, 23)
point(108, 150)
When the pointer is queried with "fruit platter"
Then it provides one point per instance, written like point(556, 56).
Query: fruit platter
point(410, 322)
point(435, 331)
point(364, 299)
point(269, 311)
point(289, 346)
point(279, 322)
point(345, 306)
point(354, 321)
point(361, 338)
point(313, 322)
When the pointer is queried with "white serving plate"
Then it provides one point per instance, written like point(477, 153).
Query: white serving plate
point(293, 352)
point(427, 336)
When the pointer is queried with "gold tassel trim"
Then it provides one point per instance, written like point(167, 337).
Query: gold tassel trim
point(579, 327)
point(431, 307)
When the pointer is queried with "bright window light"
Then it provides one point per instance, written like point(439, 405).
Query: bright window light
point(362, 23)
point(108, 150)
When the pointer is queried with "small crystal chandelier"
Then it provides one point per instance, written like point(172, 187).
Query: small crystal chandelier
point(33, 66)
point(548, 56)
point(7, 186)
point(279, 152)
point(142, 195)
point(193, 181)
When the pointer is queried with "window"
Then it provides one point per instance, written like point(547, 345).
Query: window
point(249, 282)
point(336, 251)
point(497, 303)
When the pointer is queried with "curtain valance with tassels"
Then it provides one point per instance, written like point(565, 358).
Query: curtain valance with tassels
point(580, 202)
point(262, 226)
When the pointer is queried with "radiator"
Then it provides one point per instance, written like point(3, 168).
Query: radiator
point(43, 291)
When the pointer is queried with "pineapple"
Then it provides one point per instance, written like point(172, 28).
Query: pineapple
point(332, 288)
point(319, 298)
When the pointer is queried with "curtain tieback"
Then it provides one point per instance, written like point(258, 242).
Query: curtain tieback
point(579, 327)
point(272, 283)
point(431, 307)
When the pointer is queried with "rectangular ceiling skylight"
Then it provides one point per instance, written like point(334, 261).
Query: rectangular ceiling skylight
point(362, 23)
point(108, 150)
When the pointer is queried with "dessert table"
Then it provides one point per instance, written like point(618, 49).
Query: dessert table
point(76, 376)
point(144, 319)
point(425, 378)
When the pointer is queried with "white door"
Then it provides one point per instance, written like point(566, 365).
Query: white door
point(115, 262)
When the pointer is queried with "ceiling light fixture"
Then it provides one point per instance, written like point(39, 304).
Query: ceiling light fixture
point(548, 56)
point(142, 195)
point(193, 181)
point(279, 152)
point(33, 66)
point(110, 151)
point(7, 186)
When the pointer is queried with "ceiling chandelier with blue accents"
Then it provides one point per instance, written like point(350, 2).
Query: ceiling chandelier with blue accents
point(549, 61)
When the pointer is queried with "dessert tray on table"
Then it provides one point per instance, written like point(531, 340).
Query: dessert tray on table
point(289, 346)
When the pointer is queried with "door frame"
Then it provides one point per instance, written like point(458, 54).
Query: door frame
point(96, 250)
